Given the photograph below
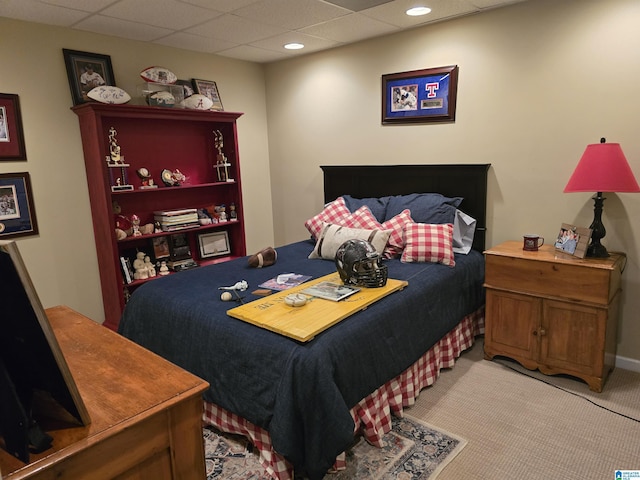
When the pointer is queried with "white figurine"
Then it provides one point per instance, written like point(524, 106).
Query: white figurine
point(151, 270)
point(139, 267)
point(164, 270)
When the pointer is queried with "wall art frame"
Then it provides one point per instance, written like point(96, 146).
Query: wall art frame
point(573, 240)
point(214, 244)
point(420, 96)
point(86, 70)
point(12, 145)
point(209, 89)
point(17, 213)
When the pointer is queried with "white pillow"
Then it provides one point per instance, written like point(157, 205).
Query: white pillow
point(464, 229)
point(332, 236)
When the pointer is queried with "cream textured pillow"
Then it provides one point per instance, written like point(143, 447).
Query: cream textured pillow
point(332, 236)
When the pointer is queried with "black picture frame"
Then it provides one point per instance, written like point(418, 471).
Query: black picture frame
point(209, 89)
point(12, 146)
point(17, 213)
point(77, 63)
point(420, 96)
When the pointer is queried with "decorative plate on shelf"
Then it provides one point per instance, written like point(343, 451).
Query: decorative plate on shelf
point(167, 178)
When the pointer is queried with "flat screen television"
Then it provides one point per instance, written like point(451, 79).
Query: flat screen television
point(31, 362)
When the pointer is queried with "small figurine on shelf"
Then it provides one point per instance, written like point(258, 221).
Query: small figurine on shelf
point(135, 222)
point(139, 267)
point(222, 213)
point(164, 270)
point(233, 215)
point(203, 217)
point(151, 269)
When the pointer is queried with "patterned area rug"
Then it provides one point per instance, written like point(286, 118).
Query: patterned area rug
point(413, 451)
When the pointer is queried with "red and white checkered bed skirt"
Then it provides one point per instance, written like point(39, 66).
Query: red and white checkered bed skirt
point(372, 415)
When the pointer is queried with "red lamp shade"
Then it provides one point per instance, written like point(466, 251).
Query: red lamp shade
point(602, 168)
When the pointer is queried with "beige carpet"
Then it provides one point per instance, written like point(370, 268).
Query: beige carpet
point(521, 428)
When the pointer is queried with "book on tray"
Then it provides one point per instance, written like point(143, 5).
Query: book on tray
point(330, 291)
point(285, 281)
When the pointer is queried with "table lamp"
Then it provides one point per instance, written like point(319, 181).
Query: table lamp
point(602, 168)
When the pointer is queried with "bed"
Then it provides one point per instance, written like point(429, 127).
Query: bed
point(302, 403)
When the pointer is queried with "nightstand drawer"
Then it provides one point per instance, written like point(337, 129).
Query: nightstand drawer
point(571, 282)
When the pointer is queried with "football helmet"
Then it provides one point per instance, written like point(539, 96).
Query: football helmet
point(359, 263)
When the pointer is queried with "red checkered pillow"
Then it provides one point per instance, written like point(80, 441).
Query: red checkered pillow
point(334, 212)
point(428, 243)
point(363, 218)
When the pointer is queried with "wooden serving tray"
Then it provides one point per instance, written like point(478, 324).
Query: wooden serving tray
point(304, 323)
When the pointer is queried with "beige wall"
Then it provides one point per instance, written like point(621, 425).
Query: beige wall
point(538, 82)
point(62, 259)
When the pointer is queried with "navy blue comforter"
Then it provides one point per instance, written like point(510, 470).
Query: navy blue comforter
point(300, 393)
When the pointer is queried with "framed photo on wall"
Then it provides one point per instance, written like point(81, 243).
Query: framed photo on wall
point(86, 71)
point(420, 96)
point(573, 240)
point(17, 214)
point(210, 90)
point(11, 133)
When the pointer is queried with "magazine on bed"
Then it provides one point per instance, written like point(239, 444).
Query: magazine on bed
point(285, 281)
point(330, 291)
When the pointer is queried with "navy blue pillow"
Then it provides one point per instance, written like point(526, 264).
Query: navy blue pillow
point(378, 206)
point(432, 208)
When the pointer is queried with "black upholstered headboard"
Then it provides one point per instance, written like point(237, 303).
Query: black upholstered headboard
point(364, 181)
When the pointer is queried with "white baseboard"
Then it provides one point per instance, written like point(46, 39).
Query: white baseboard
point(628, 363)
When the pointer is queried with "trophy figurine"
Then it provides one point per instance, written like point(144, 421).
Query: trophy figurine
point(115, 162)
point(222, 164)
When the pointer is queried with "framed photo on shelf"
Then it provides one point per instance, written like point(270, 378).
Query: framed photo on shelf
point(160, 246)
point(573, 240)
point(214, 244)
point(17, 213)
point(210, 90)
point(11, 134)
point(420, 96)
point(86, 71)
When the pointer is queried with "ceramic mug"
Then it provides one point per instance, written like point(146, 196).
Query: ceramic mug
point(532, 242)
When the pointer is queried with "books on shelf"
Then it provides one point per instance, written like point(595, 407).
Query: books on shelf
point(330, 291)
point(285, 281)
point(174, 220)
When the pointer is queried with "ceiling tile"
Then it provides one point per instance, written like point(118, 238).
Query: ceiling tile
point(221, 5)
point(291, 14)
point(236, 29)
point(350, 28)
point(84, 5)
point(311, 44)
point(253, 54)
point(32, 11)
point(357, 5)
point(121, 28)
point(197, 43)
point(165, 13)
point(394, 13)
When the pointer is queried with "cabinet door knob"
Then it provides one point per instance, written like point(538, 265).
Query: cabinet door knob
point(543, 332)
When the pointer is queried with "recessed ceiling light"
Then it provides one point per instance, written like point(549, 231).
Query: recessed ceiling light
point(294, 46)
point(417, 11)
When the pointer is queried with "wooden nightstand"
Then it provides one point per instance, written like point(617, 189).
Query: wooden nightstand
point(553, 312)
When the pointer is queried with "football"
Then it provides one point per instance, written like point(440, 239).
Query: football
point(197, 101)
point(109, 94)
point(161, 99)
point(158, 75)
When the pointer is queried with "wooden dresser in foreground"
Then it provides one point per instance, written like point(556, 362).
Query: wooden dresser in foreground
point(146, 413)
point(553, 312)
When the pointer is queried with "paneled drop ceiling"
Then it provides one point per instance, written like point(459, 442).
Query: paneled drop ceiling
point(253, 30)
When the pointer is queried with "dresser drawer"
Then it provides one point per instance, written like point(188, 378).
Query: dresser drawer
point(536, 276)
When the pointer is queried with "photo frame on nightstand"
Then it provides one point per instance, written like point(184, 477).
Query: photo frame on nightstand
point(573, 240)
